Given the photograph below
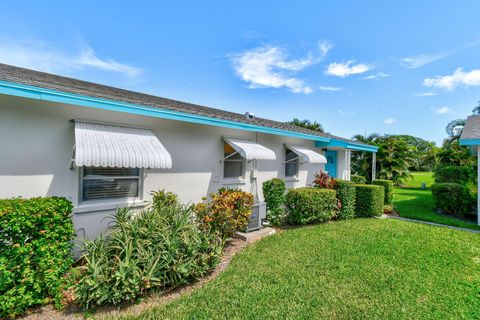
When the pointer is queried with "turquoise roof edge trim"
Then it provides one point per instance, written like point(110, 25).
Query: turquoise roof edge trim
point(346, 145)
point(469, 142)
point(26, 91)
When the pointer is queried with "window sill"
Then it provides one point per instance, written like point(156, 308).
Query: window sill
point(234, 181)
point(101, 206)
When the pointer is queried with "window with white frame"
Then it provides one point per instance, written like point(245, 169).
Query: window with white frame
point(233, 163)
point(99, 183)
point(291, 163)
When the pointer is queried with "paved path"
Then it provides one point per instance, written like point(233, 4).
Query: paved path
point(430, 223)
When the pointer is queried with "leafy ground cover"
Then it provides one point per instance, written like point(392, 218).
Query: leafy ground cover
point(353, 269)
point(414, 202)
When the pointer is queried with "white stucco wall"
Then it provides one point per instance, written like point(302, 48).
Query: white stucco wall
point(36, 140)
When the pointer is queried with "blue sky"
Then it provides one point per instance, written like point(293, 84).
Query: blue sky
point(354, 66)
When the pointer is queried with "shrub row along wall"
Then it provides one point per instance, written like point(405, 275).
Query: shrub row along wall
point(453, 198)
point(35, 252)
point(310, 205)
point(274, 194)
point(369, 200)
point(388, 186)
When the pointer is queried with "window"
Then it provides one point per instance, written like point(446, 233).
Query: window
point(291, 163)
point(109, 183)
point(233, 163)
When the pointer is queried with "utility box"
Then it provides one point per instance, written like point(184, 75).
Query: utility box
point(259, 213)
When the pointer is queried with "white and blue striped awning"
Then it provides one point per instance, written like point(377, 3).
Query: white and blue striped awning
point(308, 155)
point(107, 145)
point(251, 150)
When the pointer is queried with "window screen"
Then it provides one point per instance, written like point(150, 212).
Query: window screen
point(233, 164)
point(291, 166)
point(110, 183)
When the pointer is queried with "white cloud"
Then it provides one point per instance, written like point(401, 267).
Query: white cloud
point(420, 60)
point(425, 94)
point(376, 76)
point(44, 57)
point(389, 121)
point(345, 69)
point(459, 77)
point(443, 110)
point(269, 67)
point(327, 88)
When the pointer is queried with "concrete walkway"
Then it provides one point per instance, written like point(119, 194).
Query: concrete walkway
point(430, 223)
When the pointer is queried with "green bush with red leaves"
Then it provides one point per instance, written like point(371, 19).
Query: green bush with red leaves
point(35, 252)
point(227, 212)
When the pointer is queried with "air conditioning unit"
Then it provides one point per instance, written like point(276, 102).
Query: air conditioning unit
point(259, 214)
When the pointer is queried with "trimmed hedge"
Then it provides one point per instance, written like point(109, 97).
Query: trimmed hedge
point(388, 185)
point(369, 200)
point(35, 252)
point(358, 179)
point(454, 174)
point(453, 198)
point(346, 195)
point(274, 194)
point(310, 205)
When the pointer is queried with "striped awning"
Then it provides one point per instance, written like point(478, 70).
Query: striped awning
point(308, 155)
point(251, 150)
point(107, 145)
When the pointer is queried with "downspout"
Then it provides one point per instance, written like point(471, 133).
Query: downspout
point(374, 165)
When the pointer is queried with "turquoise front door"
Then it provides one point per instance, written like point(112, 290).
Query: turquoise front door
point(331, 165)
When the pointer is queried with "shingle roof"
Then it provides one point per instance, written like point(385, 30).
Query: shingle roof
point(74, 86)
point(471, 130)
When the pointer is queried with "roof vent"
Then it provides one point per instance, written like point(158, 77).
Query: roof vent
point(249, 116)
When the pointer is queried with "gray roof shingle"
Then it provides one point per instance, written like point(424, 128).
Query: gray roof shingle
point(471, 130)
point(74, 86)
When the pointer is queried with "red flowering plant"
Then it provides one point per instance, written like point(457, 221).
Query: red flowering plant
point(323, 180)
point(227, 212)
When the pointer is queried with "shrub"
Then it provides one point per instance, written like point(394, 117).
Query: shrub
point(358, 179)
point(153, 249)
point(35, 252)
point(369, 200)
point(388, 185)
point(310, 205)
point(274, 194)
point(454, 174)
point(453, 198)
point(227, 212)
point(162, 199)
point(323, 180)
point(387, 209)
point(346, 196)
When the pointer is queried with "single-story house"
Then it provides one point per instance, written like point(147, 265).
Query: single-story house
point(471, 137)
point(104, 147)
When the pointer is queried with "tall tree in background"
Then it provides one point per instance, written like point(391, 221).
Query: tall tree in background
point(394, 158)
point(361, 162)
point(307, 124)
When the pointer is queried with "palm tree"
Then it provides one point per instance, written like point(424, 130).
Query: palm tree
point(476, 110)
point(307, 124)
point(361, 161)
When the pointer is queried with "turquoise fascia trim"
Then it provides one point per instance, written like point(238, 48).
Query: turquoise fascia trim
point(346, 145)
point(26, 91)
point(469, 142)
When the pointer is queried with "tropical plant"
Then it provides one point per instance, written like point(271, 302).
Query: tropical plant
point(307, 124)
point(323, 180)
point(361, 162)
point(227, 212)
point(452, 153)
point(394, 157)
point(153, 249)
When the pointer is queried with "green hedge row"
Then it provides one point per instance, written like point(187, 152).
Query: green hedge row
point(388, 185)
point(310, 205)
point(453, 198)
point(358, 179)
point(454, 174)
point(369, 200)
point(274, 194)
point(346, 195)
point(35, 252)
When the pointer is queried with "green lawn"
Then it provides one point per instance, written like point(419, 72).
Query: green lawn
point(415, 203)
point(357, 269)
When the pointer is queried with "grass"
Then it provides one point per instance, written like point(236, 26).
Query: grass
point(356, 269)
point(414, 203)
